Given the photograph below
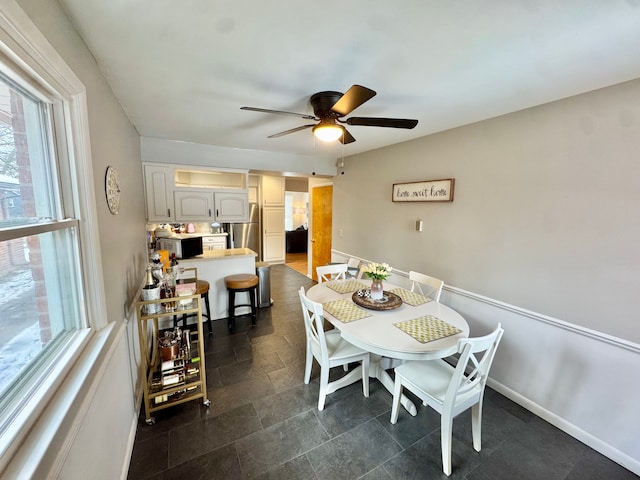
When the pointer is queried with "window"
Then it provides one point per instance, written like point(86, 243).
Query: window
point(41, 296)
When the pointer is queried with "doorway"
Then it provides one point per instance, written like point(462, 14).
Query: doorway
point(296, 221)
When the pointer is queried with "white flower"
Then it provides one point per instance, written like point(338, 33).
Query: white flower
point(377, 271)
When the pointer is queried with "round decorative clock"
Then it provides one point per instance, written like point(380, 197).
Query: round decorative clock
point(112, 190)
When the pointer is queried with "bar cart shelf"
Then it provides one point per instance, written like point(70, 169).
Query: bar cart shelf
point(182, 378)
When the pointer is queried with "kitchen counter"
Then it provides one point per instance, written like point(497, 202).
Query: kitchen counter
point(223, 254)
point(213, 266)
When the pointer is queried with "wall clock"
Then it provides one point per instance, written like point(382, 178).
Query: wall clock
point(112, 190)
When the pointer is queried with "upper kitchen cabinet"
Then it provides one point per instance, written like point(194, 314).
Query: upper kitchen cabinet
point(231, 207)
point(158, 189)
point(194, 205)
point(272, 191)
point(179, 193)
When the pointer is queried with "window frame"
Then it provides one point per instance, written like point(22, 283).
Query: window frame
point(28, 59)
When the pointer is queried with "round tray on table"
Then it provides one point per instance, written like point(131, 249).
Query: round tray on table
point(389, 301)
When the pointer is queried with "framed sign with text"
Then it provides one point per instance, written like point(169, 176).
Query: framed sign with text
point(426, 191)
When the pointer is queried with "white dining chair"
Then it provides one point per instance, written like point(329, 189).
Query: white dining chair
point(330, 350)
point(451, 390)
point(424, 284)
point(336, 271)
point(353, 268)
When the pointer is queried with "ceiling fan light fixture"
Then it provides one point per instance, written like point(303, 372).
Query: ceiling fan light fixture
point(327, 131)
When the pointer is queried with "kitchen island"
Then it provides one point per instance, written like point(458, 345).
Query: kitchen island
point(213, 266)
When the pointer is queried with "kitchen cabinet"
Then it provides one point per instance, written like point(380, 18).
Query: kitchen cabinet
point(273, 191)
point(195, 194)
point(204, 206)
point(158, 189)
point(273, 237)
point(193, 206)
point(214, 242)
point(231, 207)
point(182, 378)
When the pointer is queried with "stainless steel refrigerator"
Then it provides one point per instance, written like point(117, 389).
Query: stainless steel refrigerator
point(246, 235)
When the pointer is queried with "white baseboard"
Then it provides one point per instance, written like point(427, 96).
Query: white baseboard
point(604, 448)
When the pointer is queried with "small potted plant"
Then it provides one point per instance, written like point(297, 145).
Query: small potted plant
point(377, 272)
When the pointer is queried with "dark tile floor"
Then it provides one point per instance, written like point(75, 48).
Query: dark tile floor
point(263, 421)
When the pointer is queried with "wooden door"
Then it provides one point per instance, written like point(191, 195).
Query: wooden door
point(321, 226)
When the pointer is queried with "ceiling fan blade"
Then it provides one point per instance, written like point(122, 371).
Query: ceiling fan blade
point(293, 130)
point(382, 122)
point(346, 136)
point(352, 99)
point(280, 112)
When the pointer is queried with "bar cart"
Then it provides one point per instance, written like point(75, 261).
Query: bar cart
point(173, 374)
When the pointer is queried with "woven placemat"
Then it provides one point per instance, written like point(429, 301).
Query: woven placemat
point(427, 329)
point(412, 298)
point(345, 310)
point(342, 286)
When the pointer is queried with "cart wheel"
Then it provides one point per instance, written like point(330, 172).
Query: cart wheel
point(151, 421)
point(207, 403)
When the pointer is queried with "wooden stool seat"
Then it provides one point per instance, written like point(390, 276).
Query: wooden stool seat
point(202, 287)
point(241, 282)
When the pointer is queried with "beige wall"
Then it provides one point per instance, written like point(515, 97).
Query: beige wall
point(114, 141)
point(545, 210)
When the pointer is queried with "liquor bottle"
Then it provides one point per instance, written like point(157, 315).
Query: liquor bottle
point(150, 282)
point(150, 291)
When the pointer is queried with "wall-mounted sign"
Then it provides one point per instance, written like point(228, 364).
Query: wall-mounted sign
point(427, 191)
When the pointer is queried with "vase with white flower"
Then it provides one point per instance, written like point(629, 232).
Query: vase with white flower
point(377, 272)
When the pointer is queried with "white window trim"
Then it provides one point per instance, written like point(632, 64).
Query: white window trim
point(24, 48)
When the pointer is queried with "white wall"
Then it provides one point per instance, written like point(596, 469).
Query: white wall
point(544, 214)
point(542, 235)
point(99, 427)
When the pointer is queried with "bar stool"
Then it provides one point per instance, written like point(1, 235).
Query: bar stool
point(241, 282)
point(202, 289)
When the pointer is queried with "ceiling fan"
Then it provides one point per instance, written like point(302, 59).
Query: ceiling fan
point(330, 107)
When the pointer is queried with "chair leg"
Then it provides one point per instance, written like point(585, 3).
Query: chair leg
point(308, 365)
point(395, 404)
point(252, 299)
point(206, 304)
point(324, 383)
point(476, 425)
point(446, 428)
point(232, 308)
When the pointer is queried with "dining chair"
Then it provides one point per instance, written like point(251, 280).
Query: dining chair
point(432, 286)
point(353, 268)
point(330, 350)
point(451, 390)
point(335, 271)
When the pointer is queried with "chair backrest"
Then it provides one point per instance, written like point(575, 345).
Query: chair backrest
point(314, 326)
point(336, 271)
point(353, 264)
point(428, 286)
point(472, 369)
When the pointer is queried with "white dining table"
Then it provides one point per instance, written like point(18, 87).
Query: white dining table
point(378, 334)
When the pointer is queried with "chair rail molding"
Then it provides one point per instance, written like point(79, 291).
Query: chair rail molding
point(574, 374)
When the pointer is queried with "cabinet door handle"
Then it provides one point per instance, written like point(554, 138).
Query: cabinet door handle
point(209, 212)
point(168, 212)
point(217, 213)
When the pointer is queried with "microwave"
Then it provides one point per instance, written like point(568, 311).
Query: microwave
point(183, 247)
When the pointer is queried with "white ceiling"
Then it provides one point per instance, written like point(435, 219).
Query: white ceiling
point(183, 68)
